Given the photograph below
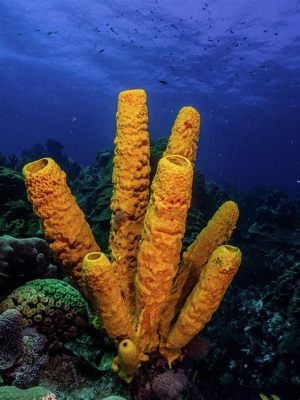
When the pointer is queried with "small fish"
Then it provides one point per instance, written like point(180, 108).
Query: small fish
point(101, 51)
point(274, 397)
point(113, 31)
point(163, 82)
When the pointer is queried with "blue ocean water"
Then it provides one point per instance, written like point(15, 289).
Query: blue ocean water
point(63, 64)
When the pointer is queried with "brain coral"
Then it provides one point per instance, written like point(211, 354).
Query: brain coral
point(53, 306)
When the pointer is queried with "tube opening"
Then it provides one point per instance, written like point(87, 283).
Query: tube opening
point(94, 256)
point(231, 248)
point(178, 160)
point(37, 165)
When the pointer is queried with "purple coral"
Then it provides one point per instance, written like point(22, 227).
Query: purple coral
point(170, 385)
point(198, 348)
point(27, 375)
point(10, 338)
point(33, 358)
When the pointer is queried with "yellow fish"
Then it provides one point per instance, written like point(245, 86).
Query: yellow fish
point(274, 397)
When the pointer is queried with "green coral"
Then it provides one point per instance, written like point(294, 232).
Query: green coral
point(53, 306)
point(14, 393)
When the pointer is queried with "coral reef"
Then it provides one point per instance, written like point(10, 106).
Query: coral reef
point(252, 342)
point(16, 218)
point(9, 161)
point(21, 351)
point(239, 323)
point(63, 372)
point(132, 288)
point(22, 260)
point(95, 182)
point(34, 393)
point(53, 149)
point(25, 372)
point(51, 305)
point(9, 179)
point(198, 348)
point(10, 338)
point(170, 385)
point(265, 328)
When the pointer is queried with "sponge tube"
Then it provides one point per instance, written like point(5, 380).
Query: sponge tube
point(160, 246)
point(63, 221)
point(130, 187)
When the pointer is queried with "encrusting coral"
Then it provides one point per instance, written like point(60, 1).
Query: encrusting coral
point(146, 298)
point(10, 338)
point(33, 393)
point(51, 305)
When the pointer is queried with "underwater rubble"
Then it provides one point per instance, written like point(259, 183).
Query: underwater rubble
point(251, 345)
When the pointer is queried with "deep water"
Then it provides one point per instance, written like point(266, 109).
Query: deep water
point(63, 65)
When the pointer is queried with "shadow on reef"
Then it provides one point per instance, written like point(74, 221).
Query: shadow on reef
point(250, 346)
point(52, 149)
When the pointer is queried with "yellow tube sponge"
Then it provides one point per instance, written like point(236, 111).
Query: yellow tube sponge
point(104, 292)
point(127, 360)
point(185, 133)
point(130, 187)
point(63, 221)
point(160, 246)
point(217, 232)
point(204, 299)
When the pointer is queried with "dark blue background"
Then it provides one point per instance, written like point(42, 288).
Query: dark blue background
point(64, 63)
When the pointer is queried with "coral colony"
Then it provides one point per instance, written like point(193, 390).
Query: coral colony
point(145, 296)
